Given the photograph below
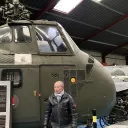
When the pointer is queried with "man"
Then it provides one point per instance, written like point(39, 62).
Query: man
point(60, 109)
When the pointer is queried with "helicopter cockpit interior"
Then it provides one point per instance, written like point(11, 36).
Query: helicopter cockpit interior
point(21, 34)
point(49, 39)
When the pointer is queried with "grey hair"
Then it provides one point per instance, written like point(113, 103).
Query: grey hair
point(61, 82)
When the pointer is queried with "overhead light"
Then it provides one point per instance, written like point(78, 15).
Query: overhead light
point(66, 6)
point(98, 1)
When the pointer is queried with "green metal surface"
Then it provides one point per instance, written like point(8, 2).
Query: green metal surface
point(94, 87)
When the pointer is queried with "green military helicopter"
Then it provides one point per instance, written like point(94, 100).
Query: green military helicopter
point(35, 54)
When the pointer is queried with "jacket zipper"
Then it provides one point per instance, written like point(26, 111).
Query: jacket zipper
point(59, 113)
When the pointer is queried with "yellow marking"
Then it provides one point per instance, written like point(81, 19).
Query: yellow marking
point(34, 93)
point(73, 80)
point(94, 119)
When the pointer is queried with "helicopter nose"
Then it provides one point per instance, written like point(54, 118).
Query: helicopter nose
point(98, 91)
point(104, 89)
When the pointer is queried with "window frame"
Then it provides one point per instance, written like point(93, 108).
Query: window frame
point(24, 48)
point(27, 25)
point(68, 52)
point(11, 34)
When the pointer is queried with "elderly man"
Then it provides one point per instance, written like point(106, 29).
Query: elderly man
point(60, 109)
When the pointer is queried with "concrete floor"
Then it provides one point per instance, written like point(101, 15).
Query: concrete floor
point(98, 125)
point(123, 124)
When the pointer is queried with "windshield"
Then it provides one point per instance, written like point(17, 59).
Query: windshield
point(49, 39)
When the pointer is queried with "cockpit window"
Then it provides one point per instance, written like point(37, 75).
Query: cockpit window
point(49, 39)
point(5, 35)
point(22, 34)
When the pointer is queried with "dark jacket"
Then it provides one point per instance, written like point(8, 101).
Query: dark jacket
point(61, 113)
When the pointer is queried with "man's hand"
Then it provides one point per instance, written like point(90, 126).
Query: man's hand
point(73, 126)
point(73, 113)
point(47, 113)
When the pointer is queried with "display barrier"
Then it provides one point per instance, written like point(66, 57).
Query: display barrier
point(5, 98)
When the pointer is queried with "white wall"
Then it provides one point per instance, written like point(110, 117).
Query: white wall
point(119, 60)
point(110, 59)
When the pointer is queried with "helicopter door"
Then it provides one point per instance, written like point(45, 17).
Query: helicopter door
point(25, 82)
point(48, 76)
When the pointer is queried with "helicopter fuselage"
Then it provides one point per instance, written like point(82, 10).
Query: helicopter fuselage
point(34, 56)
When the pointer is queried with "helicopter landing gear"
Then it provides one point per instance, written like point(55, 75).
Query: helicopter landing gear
point(89, 123)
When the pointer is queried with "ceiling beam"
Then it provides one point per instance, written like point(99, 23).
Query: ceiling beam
point(83, 23)
point(107, 27)
point(99, 42)
point(109, 8)
point(115, 48)
point(50, 4)
point(73, 20)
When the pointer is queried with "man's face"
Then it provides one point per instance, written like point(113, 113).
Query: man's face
point(58, 88)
